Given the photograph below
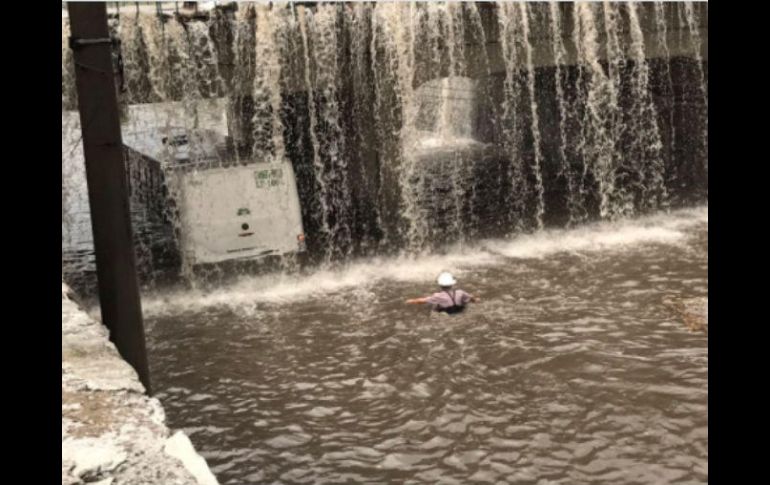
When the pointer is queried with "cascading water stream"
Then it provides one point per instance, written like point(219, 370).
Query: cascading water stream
point(452, 124)
point(694, 31)
point(393, 58)
point(619, 201)
point(240, 106)
point(600, 112)
point(67, 102)
point(333, 140)
point(477, 60)
point(510, 125)
point(136, 59)
point(365, 177)
point(320, 170)
point(205, 64)
point(578, 112)
point(649, 147)
point(560, 56)
point(268, 129)
point(523, 18)
point(661, 30)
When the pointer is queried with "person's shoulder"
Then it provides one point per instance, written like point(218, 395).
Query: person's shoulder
point(464, 295)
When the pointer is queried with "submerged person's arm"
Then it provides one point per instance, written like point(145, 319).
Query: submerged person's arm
point(417, 301)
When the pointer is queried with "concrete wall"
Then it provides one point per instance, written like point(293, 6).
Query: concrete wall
point(112, 433)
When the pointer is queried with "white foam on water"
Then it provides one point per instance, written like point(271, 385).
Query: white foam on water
point(283, 288)
point(667, 229)
point(658, 229)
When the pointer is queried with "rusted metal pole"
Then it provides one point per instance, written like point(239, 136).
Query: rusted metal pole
point(107, 185)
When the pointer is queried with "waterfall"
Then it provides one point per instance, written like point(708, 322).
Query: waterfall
point(68, 102)
point(510, 125)
point(136, 61)
point(412, 125)
point(661, 29)
point(600, 112)
point(268, 129)
point(326, 133)
point(478, 61)
point(535, 122)
point(393, 58)
point(205, 64)
point(365, 177)
point(620, 170)
point(577, 151)
point(648, 145)
point(560, 56)
point(694, 31)
point(241, 110)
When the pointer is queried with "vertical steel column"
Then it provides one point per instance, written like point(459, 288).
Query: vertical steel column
point(106, 177)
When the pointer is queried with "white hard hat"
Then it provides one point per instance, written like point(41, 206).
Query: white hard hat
point(446, 279)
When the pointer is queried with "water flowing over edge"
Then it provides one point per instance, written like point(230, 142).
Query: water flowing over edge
point(667, 229)
point(609, 161)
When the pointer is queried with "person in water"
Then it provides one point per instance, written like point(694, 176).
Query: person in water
point(448, 300)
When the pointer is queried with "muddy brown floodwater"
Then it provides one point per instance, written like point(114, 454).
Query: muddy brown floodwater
point(572, 370)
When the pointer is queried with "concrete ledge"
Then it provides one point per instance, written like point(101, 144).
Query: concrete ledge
point(112, 433)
